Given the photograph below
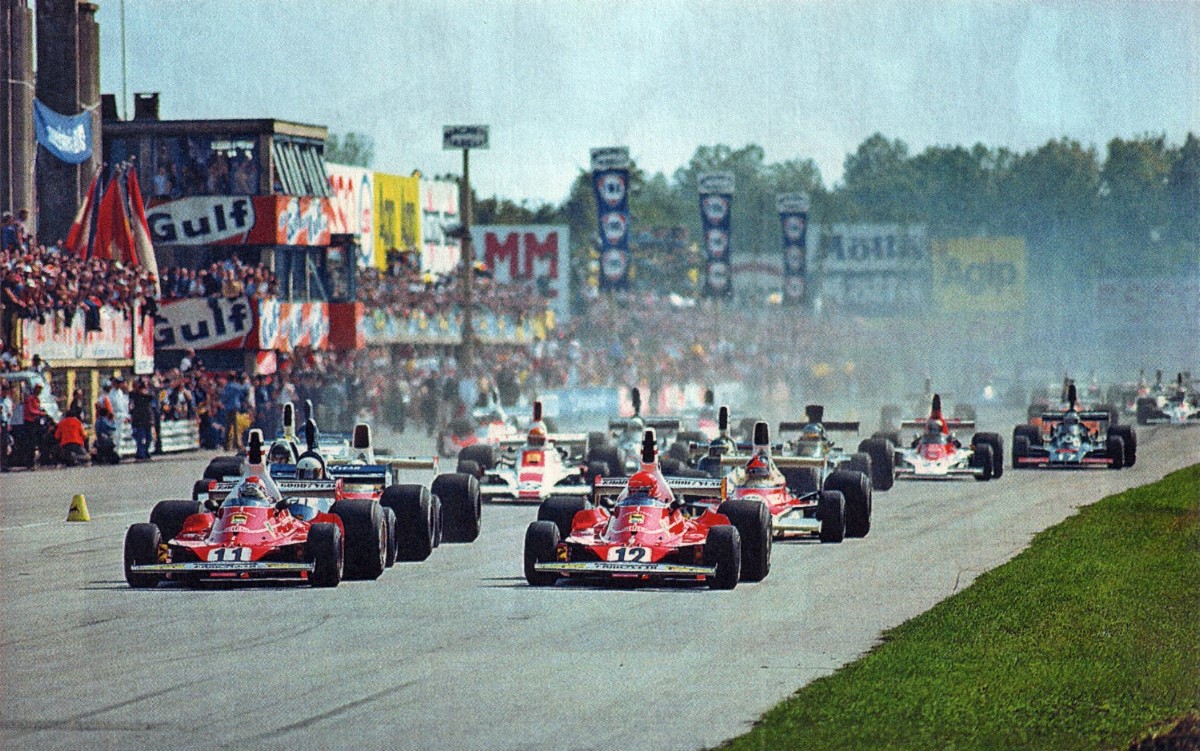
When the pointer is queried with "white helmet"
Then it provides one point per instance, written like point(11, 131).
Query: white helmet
point(310, 468)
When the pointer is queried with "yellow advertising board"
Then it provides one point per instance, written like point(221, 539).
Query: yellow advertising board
point(979, 274)
point(397, 215)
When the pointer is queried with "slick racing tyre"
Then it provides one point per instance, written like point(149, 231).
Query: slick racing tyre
point(860, 462)
point(541, 541)
point(1031, 433)
point(483, 454)
point(996, 442)
point(141, 549)
point(1147, 410)
point(325, 551)
point(1115, 450)
point(389, 520)
point(610, 455)
point(981, 460)
point(596, 439)
point(169, 516)
point(856, 492)
point(461, 506)
point(1129, 436)
point(755, 528)
point(883, 457)
point(223, 466)
point(468, 467)
point(1020, 450)
point(199, 489)
point(594, 470)
point(723, 549)
point(802, 480)
point(888, 435)
point(679, 451)
point(561, 510)
point(413, 507)
point(366, 538)
point(831, 510)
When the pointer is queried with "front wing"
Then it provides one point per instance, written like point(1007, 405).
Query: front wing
point(622, 568)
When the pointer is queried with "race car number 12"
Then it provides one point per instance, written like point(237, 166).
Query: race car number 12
point(629, 555)
point(229, 554)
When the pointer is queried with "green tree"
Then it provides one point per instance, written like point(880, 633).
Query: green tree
point(1134, 190)
point(354, 149)
point(1183, 194)
point(879, 182)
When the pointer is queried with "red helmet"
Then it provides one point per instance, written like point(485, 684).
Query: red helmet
point(758, 466)
point(537, 435)
point(644, 482)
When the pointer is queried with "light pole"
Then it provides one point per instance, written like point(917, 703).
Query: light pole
point(466, 137)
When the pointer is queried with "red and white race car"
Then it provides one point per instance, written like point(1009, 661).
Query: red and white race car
point(637, 530)
point(936, 453)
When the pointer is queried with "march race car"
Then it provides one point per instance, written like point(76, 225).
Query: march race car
point(636, 530)
point(623, 442)
point(874, 457)
point(1175, 406)
point(487, 425)
point(936, 453)
point(1066, 440)
point(532, 468)
point(257, 532)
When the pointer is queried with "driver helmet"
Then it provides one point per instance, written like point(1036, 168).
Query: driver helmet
point(933, 428)
point(537, 436)
point(812, 432)
point(253, 489)
point(759, 467)
point(644, 483)
point(309, 468)
point(716, 447)
point(280, 453)
point(1071, 418)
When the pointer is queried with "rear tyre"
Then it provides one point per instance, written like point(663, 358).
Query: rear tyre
point(802, 480)
point(831, 509)
point(415, 528)
point(596, 440)
point(366, 537)
point(856, 492)
point(859, 463)
point(982, 461)
point(883, 457)
point(888, 435)
point(1129, 436)
point(389, 520)
point(468, 467)
point(199, 490)
point(462, 509)
point(594, 470)
point(482, 454)
point(670, 465)
point(1020, 450)
point(561, 510)
point(325, 551)
point(541, 542)
point(169, 516)
point(223, 466)
point(610, 455)
point(1146, 408)
point(1115, 446)
point(141, 549)
point(996, 442)
point(755, 528)
point(438, 520)
point(723, 549)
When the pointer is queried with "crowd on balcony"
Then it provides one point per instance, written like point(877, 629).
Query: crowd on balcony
point(229, 278)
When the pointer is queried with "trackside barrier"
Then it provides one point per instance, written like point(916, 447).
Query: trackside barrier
point(177, 435)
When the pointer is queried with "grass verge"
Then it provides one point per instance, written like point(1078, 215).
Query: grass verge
point(1085, 640)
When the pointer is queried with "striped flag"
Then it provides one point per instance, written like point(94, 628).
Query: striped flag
point(80, 235)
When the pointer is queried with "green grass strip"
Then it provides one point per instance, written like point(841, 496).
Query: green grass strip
point(1083, 641)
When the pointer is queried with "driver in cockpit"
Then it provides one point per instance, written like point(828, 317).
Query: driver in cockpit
point(644, 489)
point(249, 492)
point(1071, 427)
point(758, 471)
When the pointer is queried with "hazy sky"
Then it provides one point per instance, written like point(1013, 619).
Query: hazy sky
point(802, 79)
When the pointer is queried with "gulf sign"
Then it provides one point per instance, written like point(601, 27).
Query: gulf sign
point(241, 220)
point(526, 253)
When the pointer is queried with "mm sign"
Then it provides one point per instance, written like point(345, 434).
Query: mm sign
point(464, 137)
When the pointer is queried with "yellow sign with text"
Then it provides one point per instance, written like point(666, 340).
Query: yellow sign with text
point(397, 215)
point(979, 274)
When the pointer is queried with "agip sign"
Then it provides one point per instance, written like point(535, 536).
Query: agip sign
point(982, 275)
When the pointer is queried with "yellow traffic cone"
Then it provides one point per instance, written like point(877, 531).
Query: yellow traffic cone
point(78, 512)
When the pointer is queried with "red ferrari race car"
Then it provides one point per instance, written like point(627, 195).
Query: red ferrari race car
point(257, 532)
point(832, 510)
point(643, 534)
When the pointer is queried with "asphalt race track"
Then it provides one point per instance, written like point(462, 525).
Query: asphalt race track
point(457, 652)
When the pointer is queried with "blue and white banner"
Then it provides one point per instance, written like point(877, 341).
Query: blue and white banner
point(68, 137)
point(716, 218)
point(610, 178)
point(793, 218)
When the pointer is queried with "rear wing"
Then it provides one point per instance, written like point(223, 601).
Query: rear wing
point(667, 424)
point(783, 462)
point(839, 427)
point(951, 423)
point(687, 489)
point(1050, 417)
point(218, 491)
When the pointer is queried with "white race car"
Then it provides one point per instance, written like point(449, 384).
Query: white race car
point(936, 454)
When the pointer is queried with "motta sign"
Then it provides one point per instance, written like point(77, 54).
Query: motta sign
point(464, 137)
point(715, 182)
point(610, 157)
point(201, 220)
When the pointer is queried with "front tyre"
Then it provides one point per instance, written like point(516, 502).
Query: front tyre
point(141, 549)
point(831, 510)
point(366, 538)
point(541, 545)
point(723, 549)
point(325, 551)
point(755, 528)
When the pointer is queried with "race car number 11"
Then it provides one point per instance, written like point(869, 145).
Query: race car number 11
point(629, 555)
point(229, 554)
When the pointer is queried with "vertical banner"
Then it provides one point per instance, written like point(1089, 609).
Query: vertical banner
point(610, 178)
point(353, 202)
point(716, 218)
point(793, 218)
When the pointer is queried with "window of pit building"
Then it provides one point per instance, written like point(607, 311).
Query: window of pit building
point(171, 167)
point(299, 167)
